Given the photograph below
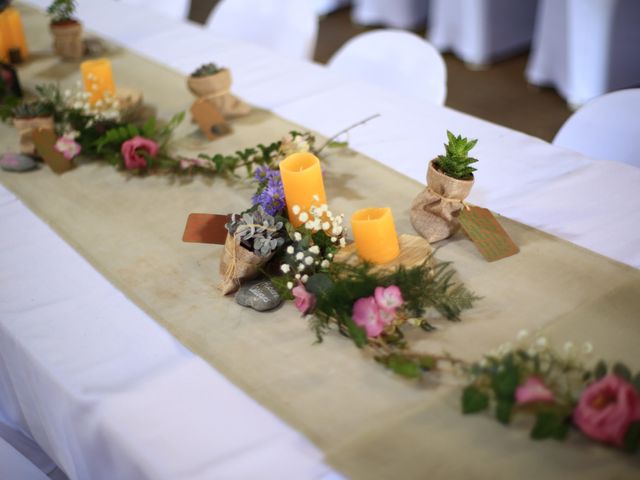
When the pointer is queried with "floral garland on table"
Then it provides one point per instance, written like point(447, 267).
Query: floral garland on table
point(372, 307)
point(100, 131)
point(558, 390)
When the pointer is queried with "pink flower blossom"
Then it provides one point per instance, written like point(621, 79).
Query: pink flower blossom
point(67, 146)
point(304, 300)
point(132, 148)
point(388, 298)
point(606, 409)
point(186, 163)
point(533, 390)
point(368, 315)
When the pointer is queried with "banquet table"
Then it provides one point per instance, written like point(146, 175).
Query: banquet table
point(84, 395)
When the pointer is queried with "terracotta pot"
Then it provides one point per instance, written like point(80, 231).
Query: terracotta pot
point(25, 127)
point(67, 39)
point(435, 210)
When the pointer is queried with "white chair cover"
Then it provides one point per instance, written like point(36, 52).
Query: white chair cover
point(606, 128)
point(323, 7)
point(586, 48)
point(391, 13)
point(288, 26)
point(395, 60)
point(13, 466)
point(480, 31)
point(178, 9)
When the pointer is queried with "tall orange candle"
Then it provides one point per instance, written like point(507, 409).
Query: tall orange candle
point(98, 78)
point(13, 33)
point(302, 181)
point(375, 235)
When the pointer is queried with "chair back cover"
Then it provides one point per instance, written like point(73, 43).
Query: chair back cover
point(394, 60)
point(14, 466)
point(178, 9)
point(607, 128)
point(288, 26)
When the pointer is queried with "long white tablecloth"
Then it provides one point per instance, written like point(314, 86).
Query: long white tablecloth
point(72, 376)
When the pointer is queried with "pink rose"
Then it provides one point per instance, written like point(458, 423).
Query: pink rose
point(388, 298)
point(606, 409)
point(132, 148)
point(533, 390)
point(67, 146)
point(304, 300)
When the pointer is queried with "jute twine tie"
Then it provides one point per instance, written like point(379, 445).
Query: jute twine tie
point(464, 204)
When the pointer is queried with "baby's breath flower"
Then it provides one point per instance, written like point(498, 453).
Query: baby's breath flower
point(542, 343)
point(303, 217)
point(299, 256)
point(285, 268)
point(300, 267)
point(522, 334)
point(314, 249)
point(587, 348)
point(295, 209)
point(297, 276)
point(290, 249)
point(305, 278)
point(325, 263)
point(297, 236)
point(308, 260)
point(289, 285)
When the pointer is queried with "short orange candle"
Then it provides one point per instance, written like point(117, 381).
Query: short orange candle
point(13, 33)
point(98, 78)
point(375, 235)
point(303, 186)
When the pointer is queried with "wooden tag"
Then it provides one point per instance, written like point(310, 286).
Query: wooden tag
point(44, 139)
point(205, 228)
point(209, 119)
point(487, 234)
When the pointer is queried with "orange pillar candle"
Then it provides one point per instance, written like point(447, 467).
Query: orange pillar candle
point(13, 33)
point(303, 186)
point(98, 78)
point(375, 235)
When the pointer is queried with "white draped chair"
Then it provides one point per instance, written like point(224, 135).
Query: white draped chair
point(323, 7)
point(606, 128)
point(287, 26)
point(481, 31)
point(585, 48)
point(406, 14)
point(178, 9)
point(394, 60)
point(13, 466)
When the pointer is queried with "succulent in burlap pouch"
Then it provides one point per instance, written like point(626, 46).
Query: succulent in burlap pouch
point(216, 88)
point(434, 211)
point(25, 128)
point(238, 264)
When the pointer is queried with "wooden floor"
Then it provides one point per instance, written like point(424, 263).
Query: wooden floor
point(499, 94)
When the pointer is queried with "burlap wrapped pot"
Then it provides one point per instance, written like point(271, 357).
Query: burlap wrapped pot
point(217, 89)
point(26, 126)
point(238, 264)
point(434, 211)
point(67, 40)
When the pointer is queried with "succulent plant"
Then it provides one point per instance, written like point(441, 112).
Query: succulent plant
point(61, 10)
point(456, 163)
point(32, 110)
point(205, 70)
point(257, 231)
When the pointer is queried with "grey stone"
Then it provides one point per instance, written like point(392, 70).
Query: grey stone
point(17, 162)
point(261, 295)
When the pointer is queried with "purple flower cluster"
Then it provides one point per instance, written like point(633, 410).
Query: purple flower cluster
point(271, 192)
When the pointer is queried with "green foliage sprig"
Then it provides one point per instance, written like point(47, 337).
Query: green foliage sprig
point(456, 162)
point(61, 10)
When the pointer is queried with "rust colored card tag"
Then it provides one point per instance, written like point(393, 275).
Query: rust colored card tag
point(44, 139)
point(487, 234)
point(209, 119)
point(205, 228)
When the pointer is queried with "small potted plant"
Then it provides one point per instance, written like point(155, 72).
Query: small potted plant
point(28, 117)
point(66, 30)
point(213, 83)
point(435, 210)
point(253, 237)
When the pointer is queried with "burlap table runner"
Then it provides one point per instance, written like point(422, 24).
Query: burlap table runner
point(369, 423)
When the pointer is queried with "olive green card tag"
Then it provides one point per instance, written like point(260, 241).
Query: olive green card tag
point(487, 234)
point(45, 139)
